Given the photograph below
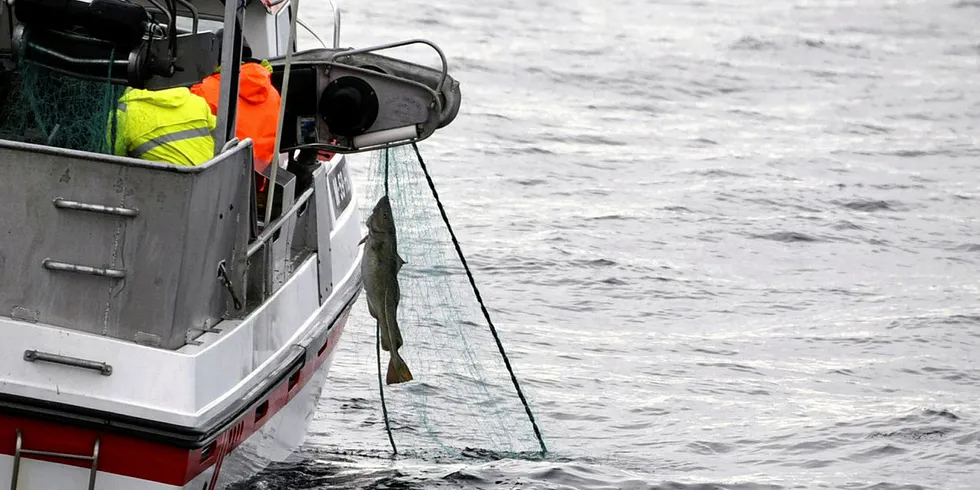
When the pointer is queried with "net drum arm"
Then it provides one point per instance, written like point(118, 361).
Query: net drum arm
point(81, 56)
point(109, 40)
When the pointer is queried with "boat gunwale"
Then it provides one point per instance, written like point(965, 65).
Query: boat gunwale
point(121, 160)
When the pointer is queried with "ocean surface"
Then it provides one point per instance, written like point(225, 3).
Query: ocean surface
point(728, 244)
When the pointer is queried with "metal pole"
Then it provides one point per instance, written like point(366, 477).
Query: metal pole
point(336, 24)
point(231, 58)
point(282, 111)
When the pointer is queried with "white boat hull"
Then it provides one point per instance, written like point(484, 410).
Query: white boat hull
point(275, 441)
point(279, 438)
point(146, 466)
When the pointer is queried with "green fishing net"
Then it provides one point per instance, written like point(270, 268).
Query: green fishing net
point(49, 108)
point(462, 401)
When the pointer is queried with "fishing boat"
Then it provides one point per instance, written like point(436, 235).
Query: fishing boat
point(162, 326)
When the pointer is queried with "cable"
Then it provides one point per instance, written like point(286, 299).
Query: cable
point(479, 298)
point(381, 388)
point(387, 153)
point(381, 385)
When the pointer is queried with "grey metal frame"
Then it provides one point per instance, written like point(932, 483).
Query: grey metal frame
point(78, 255)
point(303, 226)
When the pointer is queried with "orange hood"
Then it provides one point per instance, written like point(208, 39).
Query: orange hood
point(256, 81)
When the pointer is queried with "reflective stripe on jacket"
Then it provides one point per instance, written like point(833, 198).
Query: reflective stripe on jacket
point(171, 126)
point(258, 108)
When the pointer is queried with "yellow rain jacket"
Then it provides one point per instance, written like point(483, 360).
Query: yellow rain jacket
point(170, 126)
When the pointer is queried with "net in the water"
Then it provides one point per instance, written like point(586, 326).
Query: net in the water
point(46, 107)
point(462, 400)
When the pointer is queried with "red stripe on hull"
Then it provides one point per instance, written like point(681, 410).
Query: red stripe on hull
point(145, 460)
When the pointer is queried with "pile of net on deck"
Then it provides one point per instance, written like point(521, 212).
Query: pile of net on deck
point(46, 107)
point(461, 402)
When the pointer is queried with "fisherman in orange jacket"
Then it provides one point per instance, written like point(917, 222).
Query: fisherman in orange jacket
point(258, 110)
point(258, 105)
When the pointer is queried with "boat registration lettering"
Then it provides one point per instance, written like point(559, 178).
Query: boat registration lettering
point(340, 187)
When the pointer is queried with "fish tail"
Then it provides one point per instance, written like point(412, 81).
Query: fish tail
point(398, 371)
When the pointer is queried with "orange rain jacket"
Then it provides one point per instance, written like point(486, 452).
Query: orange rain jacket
point(258, 108)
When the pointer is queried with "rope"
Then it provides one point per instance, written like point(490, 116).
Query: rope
point(381, 385)
point(479, 298)
point(387, 153)
point(381, 388)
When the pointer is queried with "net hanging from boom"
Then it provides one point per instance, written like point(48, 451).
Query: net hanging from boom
point(462, 401)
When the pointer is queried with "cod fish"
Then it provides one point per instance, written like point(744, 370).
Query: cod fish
point(379, 268)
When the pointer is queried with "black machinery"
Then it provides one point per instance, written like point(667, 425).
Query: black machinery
point(112, 40)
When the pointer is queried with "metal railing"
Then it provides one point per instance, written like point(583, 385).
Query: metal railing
point(271, 229)
point(19, 452)
point(336, 23)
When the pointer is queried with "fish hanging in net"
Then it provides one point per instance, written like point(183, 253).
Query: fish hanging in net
point(461, 401)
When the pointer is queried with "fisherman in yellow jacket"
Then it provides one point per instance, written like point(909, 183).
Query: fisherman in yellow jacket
point(171, 126)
